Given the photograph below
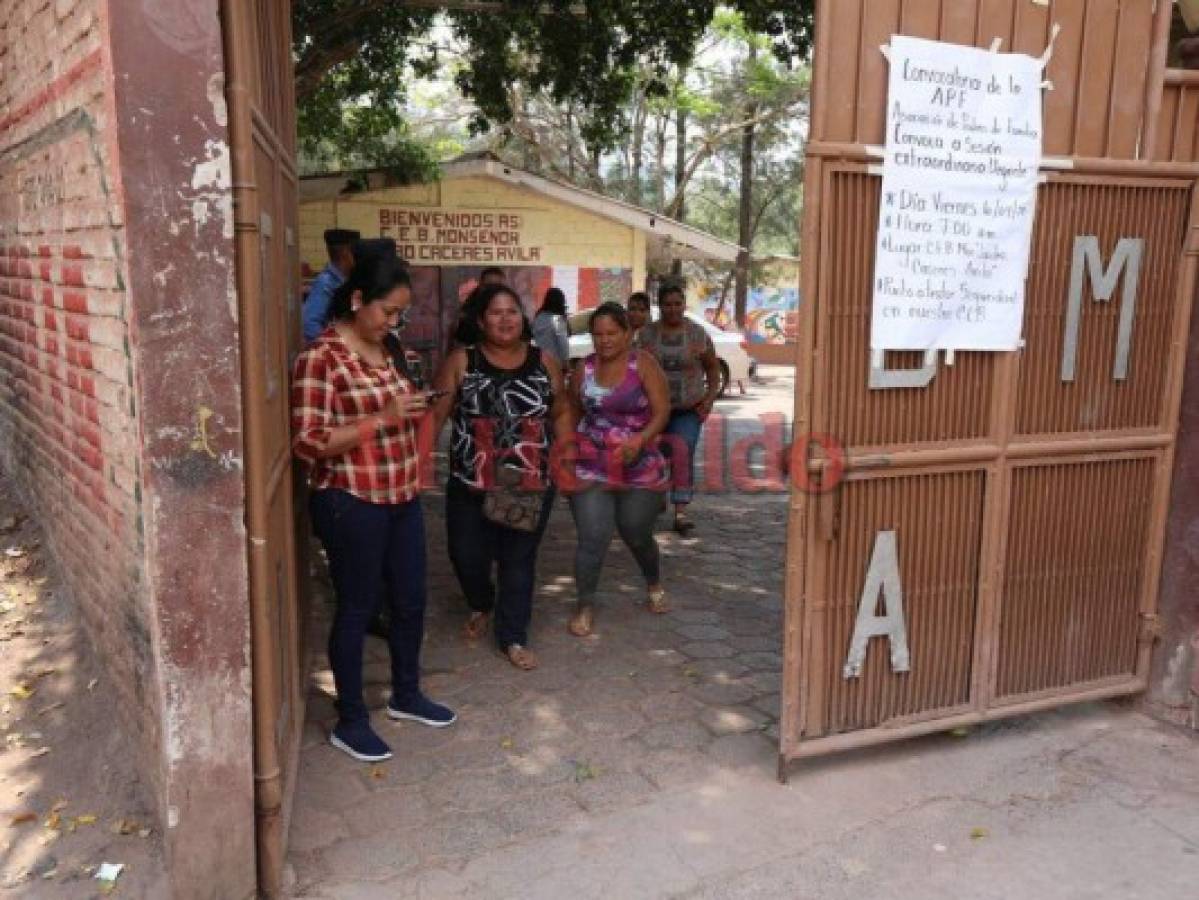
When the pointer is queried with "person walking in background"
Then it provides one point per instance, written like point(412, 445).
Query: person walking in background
point(507, 404)
point(466, 332)
point(354, 422)
point(638, 307)
point(688, 358)
point(549, 327)
point(339, 243)
point(620, 405)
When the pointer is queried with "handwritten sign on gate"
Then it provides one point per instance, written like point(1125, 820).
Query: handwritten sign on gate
point(958, 196)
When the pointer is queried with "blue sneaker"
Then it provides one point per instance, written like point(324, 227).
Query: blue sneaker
point(360, 741)
point(420, 708)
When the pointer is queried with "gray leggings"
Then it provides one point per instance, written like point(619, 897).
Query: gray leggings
point(598, 513)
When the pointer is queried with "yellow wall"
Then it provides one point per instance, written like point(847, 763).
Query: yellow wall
point(532, 229)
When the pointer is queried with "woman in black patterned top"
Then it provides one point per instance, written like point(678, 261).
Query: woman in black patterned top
point(507, 404)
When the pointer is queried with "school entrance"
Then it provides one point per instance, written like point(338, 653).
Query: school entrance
point(1012, 505)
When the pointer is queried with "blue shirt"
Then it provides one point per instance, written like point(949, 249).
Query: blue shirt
point(316, 304)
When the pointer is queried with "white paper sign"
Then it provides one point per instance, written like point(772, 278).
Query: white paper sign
point(566, 279)
point(958, 198)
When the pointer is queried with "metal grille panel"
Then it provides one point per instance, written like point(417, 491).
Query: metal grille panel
point(1073, 574)
point(1095, 401)
point(937, 519)
point(954, 407)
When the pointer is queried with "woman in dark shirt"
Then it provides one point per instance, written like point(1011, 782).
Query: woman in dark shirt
point(507, 404)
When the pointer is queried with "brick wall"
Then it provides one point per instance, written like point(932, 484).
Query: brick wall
point(68, 421)
point(120, 403)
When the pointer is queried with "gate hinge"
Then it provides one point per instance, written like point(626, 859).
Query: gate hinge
point(1151, 628)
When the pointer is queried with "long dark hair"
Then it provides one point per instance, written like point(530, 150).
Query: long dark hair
point(554, 302)
point(375, 276)
point(613, 311)
point(485, 296)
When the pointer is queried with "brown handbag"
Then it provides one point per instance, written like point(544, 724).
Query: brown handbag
point(509, 505)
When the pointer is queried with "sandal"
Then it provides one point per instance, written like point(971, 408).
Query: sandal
point(521, 657)
point(582, 621)
point(656, 601)
point(476, 625)
point(682, 524)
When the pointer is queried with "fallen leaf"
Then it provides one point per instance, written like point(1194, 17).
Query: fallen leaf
point(977, 834)
point(22, 690)
point(23, 818)
point(125, 826)
point(585, 771)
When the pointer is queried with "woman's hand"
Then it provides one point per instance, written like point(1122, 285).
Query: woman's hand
point(631, 449)
point(407, 406)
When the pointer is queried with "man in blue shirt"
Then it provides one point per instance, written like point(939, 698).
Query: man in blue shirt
point(338, 241)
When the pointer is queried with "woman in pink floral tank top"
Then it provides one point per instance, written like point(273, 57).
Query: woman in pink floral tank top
point(621, 403)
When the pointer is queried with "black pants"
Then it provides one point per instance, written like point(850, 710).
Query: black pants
point(376, 557)
point(477, 546)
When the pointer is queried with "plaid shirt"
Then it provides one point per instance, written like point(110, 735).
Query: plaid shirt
point(332, 386)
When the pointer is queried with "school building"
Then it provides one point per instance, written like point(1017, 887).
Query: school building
point(483, 212)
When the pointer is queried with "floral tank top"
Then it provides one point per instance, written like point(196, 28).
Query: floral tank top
point(611, 415)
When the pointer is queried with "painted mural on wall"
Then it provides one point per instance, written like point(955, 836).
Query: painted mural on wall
point(771, 315)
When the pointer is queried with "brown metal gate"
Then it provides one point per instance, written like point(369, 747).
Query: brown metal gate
point(1015, 502)
point(261, 93)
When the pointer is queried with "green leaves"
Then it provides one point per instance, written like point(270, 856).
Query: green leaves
point(355, 58)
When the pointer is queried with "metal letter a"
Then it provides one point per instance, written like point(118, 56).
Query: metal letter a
point(883, 575)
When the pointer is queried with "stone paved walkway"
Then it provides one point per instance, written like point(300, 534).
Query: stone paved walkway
point(645, 705)
point(641, 762)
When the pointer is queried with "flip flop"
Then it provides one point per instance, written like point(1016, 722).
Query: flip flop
point(521, 657)
point(476, 625)
point(582, 621)
point(682, 524)
point(656, 602)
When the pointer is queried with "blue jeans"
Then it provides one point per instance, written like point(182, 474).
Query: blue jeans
point(598, 513)
point(376, 555)
point(686, 424)
point(478, 546)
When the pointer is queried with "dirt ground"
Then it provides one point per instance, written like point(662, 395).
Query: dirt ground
point(71, 797)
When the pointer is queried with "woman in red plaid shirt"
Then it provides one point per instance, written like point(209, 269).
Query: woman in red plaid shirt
point(354, 421)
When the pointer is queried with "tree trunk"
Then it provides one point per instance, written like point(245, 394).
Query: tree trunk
point(570, 140)
point(660, 163)
point(745, 224)
point(680, 167)
point(638, 150)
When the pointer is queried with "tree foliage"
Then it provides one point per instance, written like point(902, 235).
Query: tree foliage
point(355, 59)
